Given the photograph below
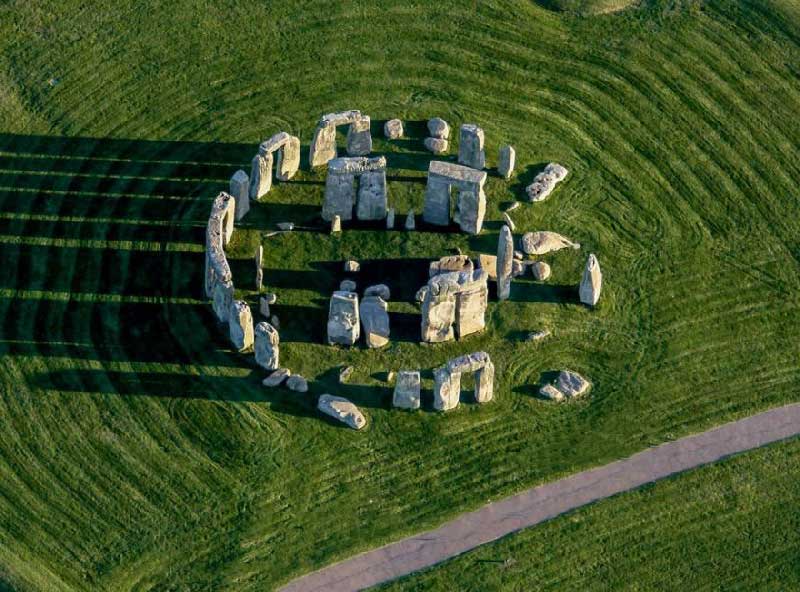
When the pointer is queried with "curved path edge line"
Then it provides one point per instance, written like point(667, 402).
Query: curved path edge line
point(544, 502)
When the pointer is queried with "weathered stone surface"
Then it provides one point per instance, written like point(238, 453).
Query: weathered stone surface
point(540, 271)
point(471, 309)
point(450, 264)
point(454, 299)
point(356, 165)
point(517, 268)
point(509, 222)
point(538, 335)
point(519, 255)
point(359, 140)
point(240, 324)
point(436, 209)
point(544, 183)
point(488, 263)
point(263, 307)
point(484, 383)
point(471, 205)
point(285, 226)
point(351, 266)
point(374, 321)
point(260, 176)
point(340, 188)
point(420, 296)
point(438, 128)
point(223, 213)
point(267, 346)
point(277, 377)
point(436, 145)
point(288, 159)
point(591, 282)
point(438, 316)
point(223, 297)
point(468, 362)
point(343, 410)
point(506, 160)
point(393, 129)
point(505, 261)
point(572, 384)
point(372, 196)
point(240, 190)
point(410, 222)
point(344, 374)
point(343, 318)
point(390, 219)
point(297, 384)
point(544, 241)
point(470, 147)
point(347, 286)
point(407, 390)
point(340, 193)
point(446, 389)
point(548, 391)
point(259, 260)
point(381, 290)
point(259, 283)
point(323, 145)
point(274, 143)
point(470, 211)
point(336, 223)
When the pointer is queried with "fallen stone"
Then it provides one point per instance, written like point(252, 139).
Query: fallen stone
point(438, 128)
point(344, 374)
point(544, 183)
point(240, 325)
point(505, 161)
point(347, 286)
point(381, 290)
point(297, 384)
point(410, 223)
point(436, 145)
point(544, 241)
point(393, 129)
point(450, 264)
point(540, 271)
point(550, 392)
point(374, 321)
point(390, 219)
point(538, 335)
point(277, 377)
point(509, 222)
point(285, 225)
point(591, 282)
point(514, 205)
point(267, 346)
point(343, 410)
point(505, 263)
point(351, 266)
point(572, 384)
point(343, 319)
point(240, 190)
point(407, 390)
point(336, 223)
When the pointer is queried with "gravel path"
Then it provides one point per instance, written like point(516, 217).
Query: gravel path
point(547, 501)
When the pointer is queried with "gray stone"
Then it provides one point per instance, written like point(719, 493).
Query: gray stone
point(519, 255)
point(340, 194)
point(509, 222)
point(393, 129)
point(390, 219)
point(446, 389)
point(347, 286)
point(277, 377)
point(359, 140)
point(240, 190)
point(297, 384)
point(240, 324)
point(438, 128)
point(591, 282)
point(259, 283)
point(505, 161)
point(288, 159)
point(267, 346)
point(505, 261)
point(343, 410)
point(544, 241)
point(340, 188)
point(548, 391)
point(344, 374)
point(544, 183)
point(372, 196)
point(343, 318)
point(285, 226)
point(420, 296)
point(538, 335)
point(259, 261)
point(374, 321)
point(540, 271)
point(410, 223)
point(470, 211)
point(351, 266)
point(323, 146)
point(271, 298)
point(484, 383)
point(223, 298)
point(450, 264)
point(517, 268)
point(381, 290)
point(436, 145)
point(457, 298)
point(407, 390)
point(260, 176)
point(470, 147)
point(572, 384)
point(336, 223)
point(275, 322)
point(471, 205)
point(263, 307)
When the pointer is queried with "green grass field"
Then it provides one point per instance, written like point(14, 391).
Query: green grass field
point(137, 452)
point(729, 526)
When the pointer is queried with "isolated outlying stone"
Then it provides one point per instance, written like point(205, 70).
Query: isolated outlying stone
point(572, 384)
point(544, 241)
point(592, 282)
point(407, 390)
point(548, 391)
point(343, 410)
point(393, 129)
point(267, 348)
point(240, 324)
point(505, 161)
point(505, 261)
point(277, 377)
point(538, 335)
point(540, 270)
point(544, 183)
point(374, 321)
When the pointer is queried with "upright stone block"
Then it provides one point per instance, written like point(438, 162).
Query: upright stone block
point(340, 194)
point(484, 383)
point(240, 190)
point(446, 389)
point(372, 196)
point(222, 300)
point(343, 318)
point(260, 176)
point(471, 211)
point(359, 139)
point(505, 263)
point(438, 316)
point(436, 209)
point(471, 309)
point(240, 322)
point(407, 390)
point(374, 321)
point(267, 346)
point(592, 282)
point(471, 206)
point(505, 161)
point(323, 146)
point(289, 159)
point(470, 148)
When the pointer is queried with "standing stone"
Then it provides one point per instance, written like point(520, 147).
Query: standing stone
point(267, 347)
point(260, 176)
point(240, 190)
point(407, 390)
point(263, 307)
point(336, 223)
point(544, 241)
point(275, 322)
point(509, 222)
point(288, 159)
point(381, 290)
point(340, 191)
point(347, 286)
point(374, 321)
point(471, 205)
point(446, 389)
point(259, 260)
point(223, 297)
point(505, 259)
point(471, 304)
point(484, 383)
point(410, 224)
point(359, 140)
point(390, 219)
point(351, 266)
point(323, 146)
point(471, 211)
point(343, 318)
point(342, 410)
point(372, 196)
point(505, 161)
point(540, 270)
point(438, 316)
point(592, 282)
point(470, 148)
point(393, 129)
point(240, 324)
point(438, 128)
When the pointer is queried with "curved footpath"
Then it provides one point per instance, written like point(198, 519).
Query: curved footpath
point(544, 502)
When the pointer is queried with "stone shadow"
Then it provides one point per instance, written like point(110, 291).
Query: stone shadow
point(525, 177)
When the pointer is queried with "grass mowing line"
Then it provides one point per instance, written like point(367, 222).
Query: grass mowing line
point(154, 196)
point(138, 159)
point(89, 220)
point(52, 173)
point(146, 246)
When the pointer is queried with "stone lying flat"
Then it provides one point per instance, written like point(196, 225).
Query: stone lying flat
point(457, 172)
point(343, 410)
point(277, 377)
point(438, 128)
point(343, 318)
point(354, 165)
point(341, 117)
point(540, 270)
point(572, 384)
point(538, 335)
point(592, 282)
point(407, 390)
point(514, 205)
point(344, 374)
point(381, 290)
point(285, 225)
point(436, 145)
point(468, 363)
point(550, 392)
point(274, 143)
point(544, 241)
point(297, 383)
point(544, 183)
point(393, 129)
point(450, 264)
